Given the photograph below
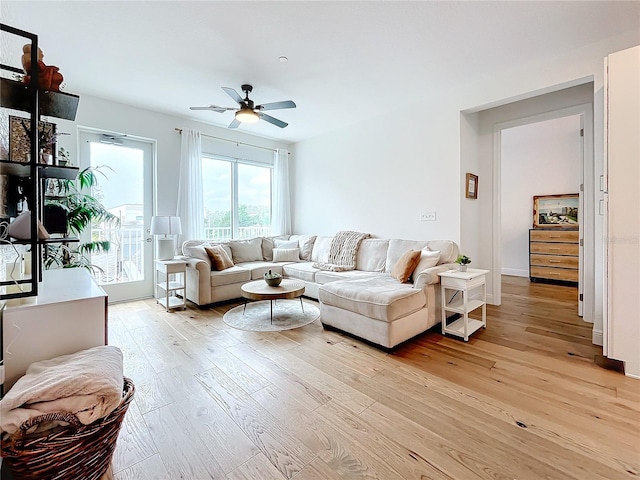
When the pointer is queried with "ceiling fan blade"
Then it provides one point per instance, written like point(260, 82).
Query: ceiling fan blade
point(277, 105)
point(233, 94)
point(270, 119)
point(234, 124)
point(213, 108)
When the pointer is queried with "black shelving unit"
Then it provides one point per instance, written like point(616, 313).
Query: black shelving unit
point(36, 102)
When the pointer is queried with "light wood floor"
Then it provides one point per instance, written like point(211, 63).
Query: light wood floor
point(521, 400)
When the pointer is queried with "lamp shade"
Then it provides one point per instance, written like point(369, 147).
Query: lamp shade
point(166, 226)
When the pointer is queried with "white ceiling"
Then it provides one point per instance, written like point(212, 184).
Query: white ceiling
point(347, 60)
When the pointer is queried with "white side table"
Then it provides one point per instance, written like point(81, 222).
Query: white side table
point(470, 293)
point(167, 288)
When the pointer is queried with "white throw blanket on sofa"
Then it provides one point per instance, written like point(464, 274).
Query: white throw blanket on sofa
point(343, 251)
point(88, 384)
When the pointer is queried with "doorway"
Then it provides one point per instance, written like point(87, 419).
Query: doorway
point(586, 284)
point(125, 187)
point(539, 158)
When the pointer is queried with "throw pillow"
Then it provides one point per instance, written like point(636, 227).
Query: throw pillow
point(405, 266)
point(286, 254)
point(285, 243)
point(220, 260)
point(428, 259)
point(246, 250)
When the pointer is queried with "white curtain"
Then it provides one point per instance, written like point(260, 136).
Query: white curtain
point(281, 215)
point(190, 202)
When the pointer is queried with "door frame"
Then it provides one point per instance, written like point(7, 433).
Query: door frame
point(152, 143)
point(587, 201)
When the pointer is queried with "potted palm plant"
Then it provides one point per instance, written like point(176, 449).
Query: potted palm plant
point(82, 210)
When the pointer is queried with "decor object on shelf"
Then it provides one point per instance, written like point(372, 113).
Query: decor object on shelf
point(63, 157)
point(556, 211)
point(20, 138)
point(273, 279)
point(463, 261)
point(472, 186)
point(165, 225)
point(49, 77)
point(20, 228)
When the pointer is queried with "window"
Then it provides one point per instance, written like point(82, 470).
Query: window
point(237, 198)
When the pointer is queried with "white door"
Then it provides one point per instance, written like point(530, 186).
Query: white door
point(125, 188)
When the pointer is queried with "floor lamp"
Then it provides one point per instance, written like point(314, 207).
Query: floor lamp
point(170, 226)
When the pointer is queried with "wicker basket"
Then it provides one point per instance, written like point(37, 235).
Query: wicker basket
point(76, 451)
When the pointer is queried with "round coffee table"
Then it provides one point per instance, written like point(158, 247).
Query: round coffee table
point(259, 290)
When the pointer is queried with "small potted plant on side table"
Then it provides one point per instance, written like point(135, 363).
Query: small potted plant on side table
point(463, 261)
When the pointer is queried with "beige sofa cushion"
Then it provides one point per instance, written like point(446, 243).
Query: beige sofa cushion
point(381, 297)
point(246, 250)
point(305, 244)
point(372, 255)
point(320, 252)
point(300, 271)
point(326, 276)
point(258, 269)
point(234, 274)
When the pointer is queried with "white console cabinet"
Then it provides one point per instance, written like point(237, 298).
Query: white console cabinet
point(68, 315)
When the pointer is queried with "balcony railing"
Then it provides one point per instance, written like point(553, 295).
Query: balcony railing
point(124, 262)
point(224, 233)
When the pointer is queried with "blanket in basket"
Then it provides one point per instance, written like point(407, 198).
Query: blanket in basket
point(343, 251)
point(87, 384)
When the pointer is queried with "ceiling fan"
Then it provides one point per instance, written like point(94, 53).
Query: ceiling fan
point(248, 112)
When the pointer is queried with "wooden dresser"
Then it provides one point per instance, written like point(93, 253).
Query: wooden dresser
point(554, 255)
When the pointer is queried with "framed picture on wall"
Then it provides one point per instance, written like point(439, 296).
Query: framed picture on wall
point(556, 211)
point(472, 186)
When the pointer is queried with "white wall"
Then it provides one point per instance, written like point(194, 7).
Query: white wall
point(377, 177)
point(159, 128)
point(537, 159)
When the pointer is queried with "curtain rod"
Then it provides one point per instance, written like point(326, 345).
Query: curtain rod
point(179, 130)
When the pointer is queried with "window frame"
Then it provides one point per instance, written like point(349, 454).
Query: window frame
point(235, 221)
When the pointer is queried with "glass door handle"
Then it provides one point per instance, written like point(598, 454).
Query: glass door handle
point(148, 239)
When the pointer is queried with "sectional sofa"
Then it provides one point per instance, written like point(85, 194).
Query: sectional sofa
point(367, 302)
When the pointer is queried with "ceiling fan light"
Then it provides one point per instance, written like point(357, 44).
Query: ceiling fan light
point(247, 116)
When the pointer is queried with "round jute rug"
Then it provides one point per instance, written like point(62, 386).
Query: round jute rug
point(287, 314)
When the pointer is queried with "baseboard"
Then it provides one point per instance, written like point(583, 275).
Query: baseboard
point(597, 337)
point(515, 272)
